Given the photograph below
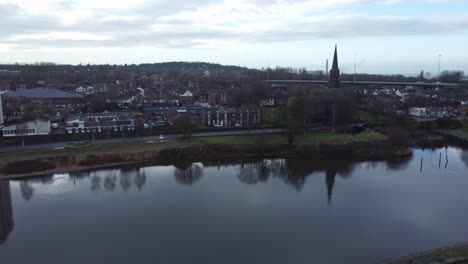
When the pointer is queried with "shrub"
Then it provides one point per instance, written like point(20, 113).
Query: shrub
point(27, 166)
point(399, 136)
point(449, 123)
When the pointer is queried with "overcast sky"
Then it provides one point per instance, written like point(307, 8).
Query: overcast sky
point(386, 36)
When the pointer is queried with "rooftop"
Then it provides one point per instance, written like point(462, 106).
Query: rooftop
point(42, 93)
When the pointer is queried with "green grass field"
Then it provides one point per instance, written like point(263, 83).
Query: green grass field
point(243, 139)
point(272, 115)
point(95, 149)
point(156, 146)
point(373, 117)
point(338, 138)
point(460, 133)
point(309, 139)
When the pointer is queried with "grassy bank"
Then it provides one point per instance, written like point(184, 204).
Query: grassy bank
point(274, 139)
point(308, 139)
point(35, 162)
point(92, 150)
point(461, 134)
point(373, 117)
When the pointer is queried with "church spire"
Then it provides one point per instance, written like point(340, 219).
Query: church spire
point(335, 71)
point(330, 180)
point(335, 58)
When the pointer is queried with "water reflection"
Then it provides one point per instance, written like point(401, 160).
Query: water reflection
point(140, 179)
point(110, 181)
point(95, 183)
point(253, 213)
point(6, 211)
point(188, 174)
point(27, 190)
point(294, 172)
point(464, 157)
point(107, 180)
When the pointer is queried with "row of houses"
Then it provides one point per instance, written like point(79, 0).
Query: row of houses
point(416, 101)
point(439, 111)
point(128, 122)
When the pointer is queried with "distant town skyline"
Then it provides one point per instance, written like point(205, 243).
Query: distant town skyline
point(384, 36)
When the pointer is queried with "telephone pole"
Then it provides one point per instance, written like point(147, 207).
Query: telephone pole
point(438, 72)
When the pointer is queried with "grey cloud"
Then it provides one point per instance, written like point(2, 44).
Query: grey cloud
point(154, 28)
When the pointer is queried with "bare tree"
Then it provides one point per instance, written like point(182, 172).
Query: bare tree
point(21, 131)
point(189, 175)
point(185, 124)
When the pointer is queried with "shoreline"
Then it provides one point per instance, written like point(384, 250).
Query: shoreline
point(359, 151)
point(69, 169)
point(189, 152)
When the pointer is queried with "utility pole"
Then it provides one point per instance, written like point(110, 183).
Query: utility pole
point(326, 68)
point(268, 69)
point(438, 72)
point(354, 78)
point(217, 63)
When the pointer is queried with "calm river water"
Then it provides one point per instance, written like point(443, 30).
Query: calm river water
point(263, 211)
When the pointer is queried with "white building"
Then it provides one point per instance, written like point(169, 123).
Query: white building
point(141, 91)
point(187, 94)
point(81, 89)
point(418, 111)
point(29, 128)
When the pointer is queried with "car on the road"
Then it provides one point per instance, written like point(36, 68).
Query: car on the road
point(161, 137)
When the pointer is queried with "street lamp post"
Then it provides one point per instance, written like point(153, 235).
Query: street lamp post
point(438, 72)
point(354, 77)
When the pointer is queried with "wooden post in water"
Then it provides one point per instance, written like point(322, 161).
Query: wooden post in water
point(440, 158)
point(420, 169)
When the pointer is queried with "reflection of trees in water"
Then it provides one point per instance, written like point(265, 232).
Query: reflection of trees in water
point(399, 164)
point(126, 178)
point(278, 167)
point(252, 173)
point(110, 181)
point(27, 191)
point(249, 173)
point(464, 157)
point(140, 179)
point(95, 183)
point(129, 176)
point(188, 174)
point(295, 172)
point(80, 174)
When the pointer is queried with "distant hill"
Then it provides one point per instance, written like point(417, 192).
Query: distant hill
point(31, 73)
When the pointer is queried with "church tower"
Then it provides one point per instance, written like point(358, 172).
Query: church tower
point(334, 72)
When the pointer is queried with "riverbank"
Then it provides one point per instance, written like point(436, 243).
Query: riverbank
point(364, 146)
point(457, 254)
point(33, 163)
